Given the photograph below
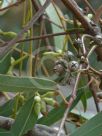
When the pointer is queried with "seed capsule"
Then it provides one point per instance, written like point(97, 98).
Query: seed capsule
point(60, 66)
point(73, 65)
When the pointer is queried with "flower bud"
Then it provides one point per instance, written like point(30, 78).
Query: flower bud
point(37, 108)
point(50, 94)
point(51, 102)
point(37, 99)
point(43, 108)
point(73, 65)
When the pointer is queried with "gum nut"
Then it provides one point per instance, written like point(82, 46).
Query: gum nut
point(73, 65)
point(58, 68)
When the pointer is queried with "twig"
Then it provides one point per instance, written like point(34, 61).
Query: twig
point(89, 6)
point(95, 71)
point(70, 31)
point(83, 38)
point(93, 91)
point(91, 50)
point(73, 96)
point(45, 18)
point(72, 5)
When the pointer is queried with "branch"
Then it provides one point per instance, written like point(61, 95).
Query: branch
point(9, 46)
point(70, 31)
point(72, 98)
point(74, 8)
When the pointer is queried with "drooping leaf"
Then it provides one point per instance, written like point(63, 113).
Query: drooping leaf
point(20, 84)
point(92, 128)
point(25, 120)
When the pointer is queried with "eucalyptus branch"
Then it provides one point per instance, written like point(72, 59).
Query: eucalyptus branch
point(70, 102)
point(70, 31)
point(74, 8)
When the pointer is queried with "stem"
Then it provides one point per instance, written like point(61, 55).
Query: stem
point(31, 42)
point(70, 31)
point(74, 8)
point(23, 24)
point(73, 96)
point(93, 91)
point(90, 7)
point(68, 36)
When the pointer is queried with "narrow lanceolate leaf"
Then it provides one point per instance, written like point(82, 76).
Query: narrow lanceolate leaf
point(25, 119)
point(20, 84)
point(92, 128)
point(56, 114)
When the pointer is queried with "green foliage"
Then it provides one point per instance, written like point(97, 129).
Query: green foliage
point(22, 84)
point(92, 128)
point(33, 94)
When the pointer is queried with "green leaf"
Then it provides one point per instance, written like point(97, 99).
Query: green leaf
point(5, 64)
point(56, 114)
point(25, 119)
point(83, 87)
point(51, 12)
point(7, 108)
point(92, 128)
point(20, 84)
point(4, 134)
